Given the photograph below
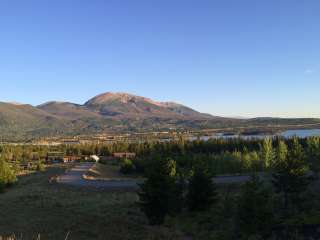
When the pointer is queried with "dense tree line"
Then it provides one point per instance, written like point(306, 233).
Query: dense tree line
point(223, 156)
point(268, 206)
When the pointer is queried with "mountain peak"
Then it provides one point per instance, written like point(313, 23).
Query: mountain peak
point(120, 103)
point(121, 97)
point(108, 96)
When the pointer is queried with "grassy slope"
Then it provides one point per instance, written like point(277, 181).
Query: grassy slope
point(35, 206)
point(26, 120)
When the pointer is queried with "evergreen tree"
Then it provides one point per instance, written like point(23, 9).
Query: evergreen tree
point(160, 194)
point(313, 154)
point(254, 161)
point(201, 190)
point(255, 213)
point(289, 178)
point(267, 153)
point(281, 153)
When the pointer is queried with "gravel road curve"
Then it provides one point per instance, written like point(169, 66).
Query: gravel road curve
point(74, 177)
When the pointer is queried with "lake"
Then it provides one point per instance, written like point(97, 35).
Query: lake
point(301, 133)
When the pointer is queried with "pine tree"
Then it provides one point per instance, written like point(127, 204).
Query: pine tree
point(267, 153)
point(201, 190)
point(313, 154)
point(281, 153)
point(255, 213)
point(160, 194)
point(289, 178)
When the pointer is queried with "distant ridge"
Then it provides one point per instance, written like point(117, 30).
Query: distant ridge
point(16, 103)
point(115, 112)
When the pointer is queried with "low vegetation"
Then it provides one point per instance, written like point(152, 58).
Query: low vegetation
point(127, 166)
point(109, 172)
point(7, 175)
point(34, 207)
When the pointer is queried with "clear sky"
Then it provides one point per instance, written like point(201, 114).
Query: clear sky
point(224, 57)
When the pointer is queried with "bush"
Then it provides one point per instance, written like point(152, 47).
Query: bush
point(40, 167)
point(2, 187)
point(7, 175)
point(139, 165)
point(127, 167)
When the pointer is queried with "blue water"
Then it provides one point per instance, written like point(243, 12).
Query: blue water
point(301, 133)
point(287, 134)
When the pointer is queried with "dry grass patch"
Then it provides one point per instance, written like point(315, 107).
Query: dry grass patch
point(109, 172)
point(34, 206)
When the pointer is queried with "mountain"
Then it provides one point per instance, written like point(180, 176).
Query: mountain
point(185, 111)
point(124, 112)
point(117, 112)
point(128, 105)
point(23, 119)
point(68, 110)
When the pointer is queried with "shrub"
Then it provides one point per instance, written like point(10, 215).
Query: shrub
point(40, 167)
point(2, 187)
point(7, 175)
point(127, 167)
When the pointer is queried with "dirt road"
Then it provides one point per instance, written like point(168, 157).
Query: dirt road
point(74, 177)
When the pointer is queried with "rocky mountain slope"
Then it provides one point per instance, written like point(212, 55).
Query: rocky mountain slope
point(125, 105)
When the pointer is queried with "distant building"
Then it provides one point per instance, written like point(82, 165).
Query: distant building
point(124, 155)
point(55, 157)
point(60, 157)
point(70, 159)
point(71, 142)
point(94, 158)
point(26, 166)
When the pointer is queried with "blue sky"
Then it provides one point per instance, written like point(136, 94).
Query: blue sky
point(225, 57)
